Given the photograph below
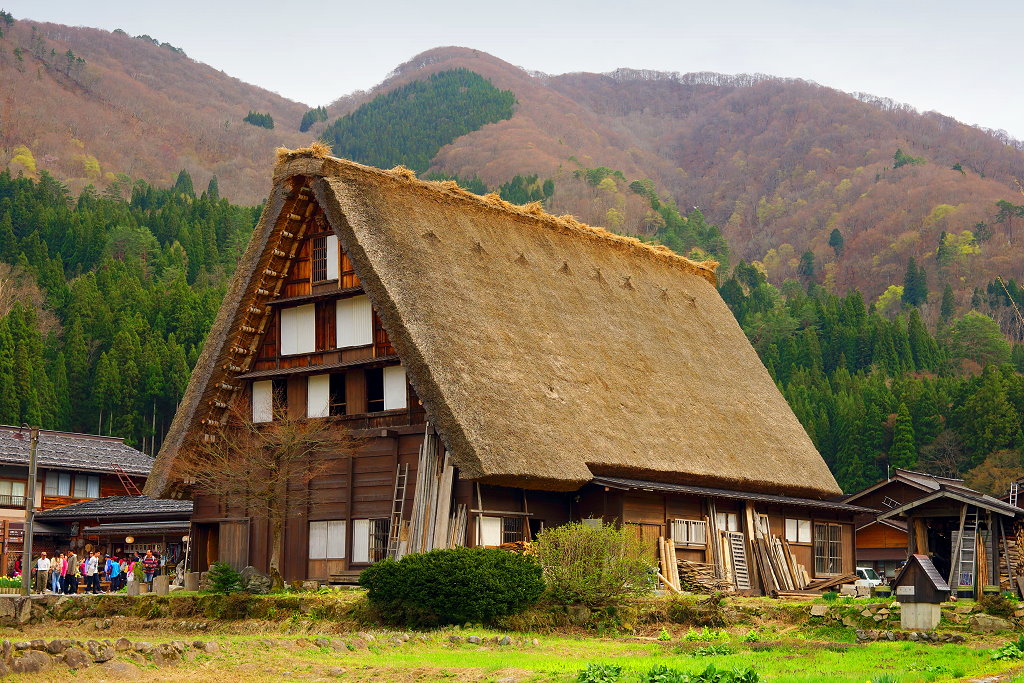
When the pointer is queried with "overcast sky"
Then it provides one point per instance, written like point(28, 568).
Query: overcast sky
point(961, 58)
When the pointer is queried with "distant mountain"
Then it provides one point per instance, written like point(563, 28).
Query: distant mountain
point(779, 164)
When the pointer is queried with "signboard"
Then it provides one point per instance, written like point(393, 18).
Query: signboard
point(904, 590)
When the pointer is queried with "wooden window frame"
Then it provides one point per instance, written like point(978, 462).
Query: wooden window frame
point(689, 532)
point(795, 539)
point(828, 548)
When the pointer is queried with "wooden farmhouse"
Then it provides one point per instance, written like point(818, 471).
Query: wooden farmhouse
point(511, 371)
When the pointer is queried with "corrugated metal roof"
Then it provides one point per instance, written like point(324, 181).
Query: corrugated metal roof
point(616, 482)
point(120, 506)
point(69, 451)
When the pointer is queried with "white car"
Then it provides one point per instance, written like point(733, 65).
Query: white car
point(866, 576)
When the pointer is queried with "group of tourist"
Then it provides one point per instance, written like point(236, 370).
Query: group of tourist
point(62, 574)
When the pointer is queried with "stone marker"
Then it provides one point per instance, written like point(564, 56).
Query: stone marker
point(192, 581)
point(161, 584)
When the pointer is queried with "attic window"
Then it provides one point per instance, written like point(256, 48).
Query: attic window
point(890, 502)
point(325, 258)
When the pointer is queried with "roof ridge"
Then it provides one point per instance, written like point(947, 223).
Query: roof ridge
point(535, 210)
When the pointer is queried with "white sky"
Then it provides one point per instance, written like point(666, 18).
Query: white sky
point(961, 58)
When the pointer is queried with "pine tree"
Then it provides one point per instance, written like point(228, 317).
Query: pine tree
point(835, 240)
point(903, 452)
point(915, 284)
point(948, 306)
point(987, 421)
point(213, 190)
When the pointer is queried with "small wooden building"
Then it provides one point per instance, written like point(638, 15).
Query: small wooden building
point(511, 371)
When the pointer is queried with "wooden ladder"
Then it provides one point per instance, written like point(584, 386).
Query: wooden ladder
point(968, 542)
point(129, 486)
point(397, 509)
point(737, 547)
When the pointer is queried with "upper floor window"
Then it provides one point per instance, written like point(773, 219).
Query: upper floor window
point(354, 322)
point(11, 492)
point(298, 330)
point(68, 485)
point(324, 258)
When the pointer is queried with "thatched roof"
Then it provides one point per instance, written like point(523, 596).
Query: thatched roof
point(545, 352)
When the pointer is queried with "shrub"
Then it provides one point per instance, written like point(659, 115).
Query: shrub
point(223, 578)
point(829, 596)
point(594, 565)
point(996, 604)
point(453, 586)
point(1012, 650)
point(600, 673)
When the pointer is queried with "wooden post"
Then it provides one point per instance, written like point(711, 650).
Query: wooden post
point(920, 536)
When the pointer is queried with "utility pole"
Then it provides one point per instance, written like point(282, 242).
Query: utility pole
point(30, 512)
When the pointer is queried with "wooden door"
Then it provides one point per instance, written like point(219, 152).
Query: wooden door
point(233, 543)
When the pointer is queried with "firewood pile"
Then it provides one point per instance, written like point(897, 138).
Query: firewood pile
point(700, 577)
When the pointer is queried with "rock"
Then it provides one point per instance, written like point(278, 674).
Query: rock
point(120, 670)
point(963, 609)
point(849, 622)
point(913, 636)
point(578, 614)
point(867, 613)
point(321, 642)
point(123, 645)
point(165, 655)
point(55, 647)
point(396, 641)
point(38, 644)
point(103, 625)
point(335, 672)
point(819, 610)
point(77, 658)
point(254, 582)
point(957, 638)
point(505, 641)
point(889, 635)
point(302, 642)
point(883, 612)
point(31, 662)
point(894, 605)
point(5, 650)
point(310, 586)
point(142, 648)
point(209, 647)
point(879, 617)
point(104, 653)
point(474, 640)
point(4, 671)
point(986, 623)
point(1019, 612)
point(455, 639)
point(23, 645)
point(357, 644)
point(535, 642)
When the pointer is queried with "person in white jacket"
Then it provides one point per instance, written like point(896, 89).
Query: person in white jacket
point(42, 572)
point(92, 574)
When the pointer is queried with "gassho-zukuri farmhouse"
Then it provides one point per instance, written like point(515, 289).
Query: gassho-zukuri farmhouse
point(507, 371)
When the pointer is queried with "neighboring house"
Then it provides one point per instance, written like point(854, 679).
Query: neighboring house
point(121, 525)
point(523, 370)
point(71, 468)
point(925, 514)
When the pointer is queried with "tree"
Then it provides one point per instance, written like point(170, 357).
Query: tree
point(915, 284)
point(944, 457)
point(263, 470)
point(806, 267)
point(948, 306)
point(901, 158)
point(835, 240)
point(986, 420)
point(995, 474)
point(903, 452)
point(978, 337)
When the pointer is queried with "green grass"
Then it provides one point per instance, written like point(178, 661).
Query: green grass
point(782, 661)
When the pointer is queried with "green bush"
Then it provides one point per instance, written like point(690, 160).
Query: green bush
point(600, 673)
point(664, 674)
point(455, 586)
point(594, 565)
point(223, 578)
point(996, 604)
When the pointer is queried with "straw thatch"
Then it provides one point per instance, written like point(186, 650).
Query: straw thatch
point(544, 350)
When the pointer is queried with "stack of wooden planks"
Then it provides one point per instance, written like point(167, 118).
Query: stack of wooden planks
point(433, 524)
point(775, 562)
point(669, 573)
point(831, 582)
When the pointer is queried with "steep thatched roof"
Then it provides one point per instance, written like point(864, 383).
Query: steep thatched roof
point(544, 351)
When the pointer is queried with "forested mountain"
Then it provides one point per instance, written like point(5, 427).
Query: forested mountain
point(871, 253)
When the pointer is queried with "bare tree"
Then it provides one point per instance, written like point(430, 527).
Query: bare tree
point(265, 468)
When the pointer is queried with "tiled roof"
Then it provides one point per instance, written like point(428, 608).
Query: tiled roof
point(120, 506)
point(616, 482)
point(65, 450)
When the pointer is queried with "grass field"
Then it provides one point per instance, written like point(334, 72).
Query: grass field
point(432, 656)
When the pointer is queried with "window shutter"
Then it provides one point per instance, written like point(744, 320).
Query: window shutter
point(360, 540)
point(336, 540)
point(318, 396)
point(298, 330)
point(394, 387)
point(317, 540)
point(490, 530)
point(355, 322)
point(262, 401)
point(332, 257)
